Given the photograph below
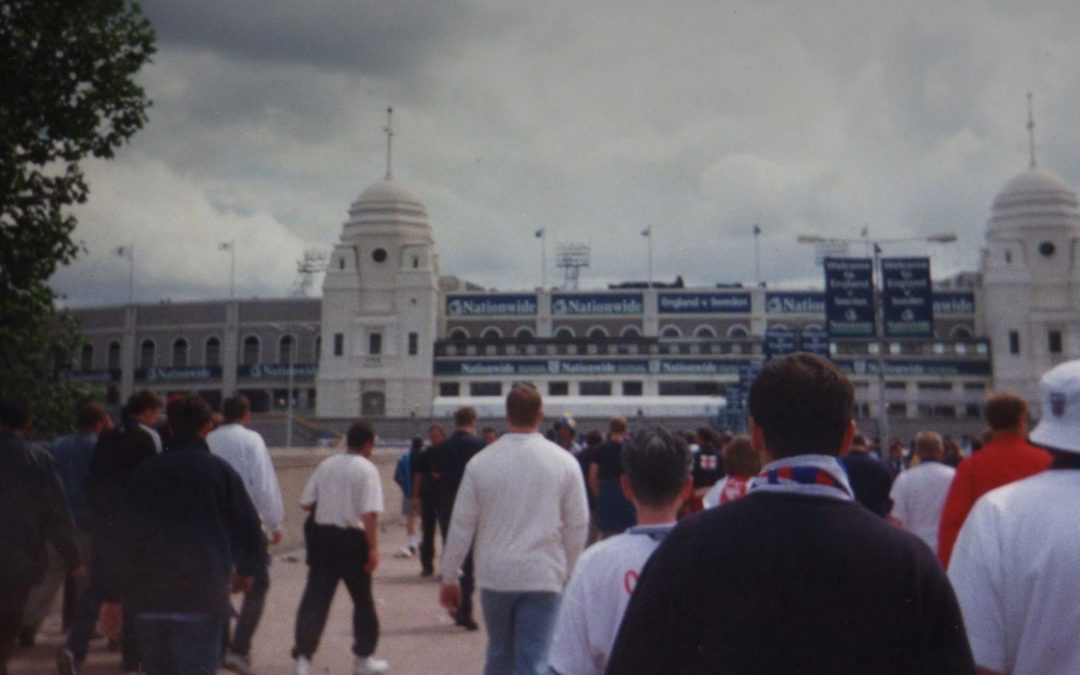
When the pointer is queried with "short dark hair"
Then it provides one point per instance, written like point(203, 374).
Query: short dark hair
point(188, 415)
point(618, 425)
point(657, 463)
point(14, 413)
point(236, 407)
point(705, 436)
point(143, 400)
point(89, 414)
point(359, 434)
point(594, 438)
point(1004, 410)
point(740, 458)
point(464, 416)
point(803, 405)
point(523, 405)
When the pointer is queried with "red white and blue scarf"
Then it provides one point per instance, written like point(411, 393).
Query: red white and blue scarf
point(814, 475)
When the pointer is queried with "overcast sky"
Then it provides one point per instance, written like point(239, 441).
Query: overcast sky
point(591, 120)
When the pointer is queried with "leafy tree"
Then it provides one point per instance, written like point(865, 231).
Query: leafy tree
point(67, 92)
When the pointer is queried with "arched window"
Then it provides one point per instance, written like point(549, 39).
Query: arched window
point(318, 348)
point(459, 334)
point(250, 356)
point(286, 350)
point(179, 353)
point(565, 333)
point(212, 353)
point(670, 333)
point(524, 333)
point(491, 333)
point(86, 357)
point(630, 332)
point(114, 356)
point(960, 333)
point(705, 333)
point(738, 332)
point(597, 333)
point(147, 353)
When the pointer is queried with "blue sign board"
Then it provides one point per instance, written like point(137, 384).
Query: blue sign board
point(906, 297)
point(849, 297)
point(698, 367)
point(491, 368)
point(779, 341)
point(635, 367)
point(597, 304)
point(795, 302)
point(703, 303)
point(491, 305)
point(93, 376)
point(815, 342)
point(193, 373)
point(266, 371)
point(954, 303)
point(918, 368)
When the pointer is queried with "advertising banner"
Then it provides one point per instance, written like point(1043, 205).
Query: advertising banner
point(906, 297)
point(193, 373)
point(779, 341)
point(849, 297)
point(597, 304)
point(267, 371)
point(795, 302)
point(491, 305)
point(815, 342)
point(703, 303)
point(953, 303)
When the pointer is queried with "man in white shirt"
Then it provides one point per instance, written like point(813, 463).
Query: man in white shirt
point(918, 494)
point(245, 450)
point(657, 481)
point(344, 497)
point(522, 506)
point(1015, 562)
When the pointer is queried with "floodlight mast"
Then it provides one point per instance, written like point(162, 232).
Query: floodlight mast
point(571, 258)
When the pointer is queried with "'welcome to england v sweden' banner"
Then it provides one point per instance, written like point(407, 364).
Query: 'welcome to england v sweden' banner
point(849, 297)
point(907, 300)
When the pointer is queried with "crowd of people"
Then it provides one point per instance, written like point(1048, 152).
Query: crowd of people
point(798, 547)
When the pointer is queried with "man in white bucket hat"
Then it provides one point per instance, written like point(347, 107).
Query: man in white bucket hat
point(1016, 561)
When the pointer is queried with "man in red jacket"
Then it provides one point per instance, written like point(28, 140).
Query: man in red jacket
point(1006, 458)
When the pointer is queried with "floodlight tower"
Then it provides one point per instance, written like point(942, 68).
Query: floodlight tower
point(571, 258)
point(314, 261)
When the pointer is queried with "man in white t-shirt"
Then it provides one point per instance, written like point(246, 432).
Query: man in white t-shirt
point(657, 481)
point(1015, 562)
point(918, 494)
point(344, 497)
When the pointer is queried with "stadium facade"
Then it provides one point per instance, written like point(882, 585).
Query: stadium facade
point(393, 338)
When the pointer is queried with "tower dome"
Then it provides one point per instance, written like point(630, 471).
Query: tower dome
point(387, 203)
point(1034, 198)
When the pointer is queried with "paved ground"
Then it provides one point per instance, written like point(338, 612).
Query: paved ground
point(417, 635)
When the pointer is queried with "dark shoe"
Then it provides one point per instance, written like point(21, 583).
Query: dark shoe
point(466, 622)
point(428, 572)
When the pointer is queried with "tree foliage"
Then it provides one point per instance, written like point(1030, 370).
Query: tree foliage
point(67, 92)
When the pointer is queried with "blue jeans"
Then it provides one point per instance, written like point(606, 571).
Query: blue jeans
point(179, 644)
point(519, 626)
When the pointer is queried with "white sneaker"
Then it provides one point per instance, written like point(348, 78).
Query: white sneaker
point(303, 666)
point(369, 664)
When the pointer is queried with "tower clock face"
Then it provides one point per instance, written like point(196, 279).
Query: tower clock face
point(1046, 249)
point(379, 255)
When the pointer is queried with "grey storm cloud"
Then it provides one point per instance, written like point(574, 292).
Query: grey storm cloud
point(591, 120)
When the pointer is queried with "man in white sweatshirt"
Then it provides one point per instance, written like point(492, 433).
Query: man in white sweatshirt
point(522, 505)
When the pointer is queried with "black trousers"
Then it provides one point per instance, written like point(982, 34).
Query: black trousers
point(468, 583)
point(428, 520)
point(336, 555)
point(13, 596)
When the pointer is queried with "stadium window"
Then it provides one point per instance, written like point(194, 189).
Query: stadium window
point(597, 333)
point(449, 389)
point(594, 388)
point(558, 388)
point(212, 352)
point(286, 350)
point(179, 353)
point(1053, 341)
point(147, 353)
point(459, 334)
point(632, 388)
point(339, 344)
point(250, 355)
point(374, 344)
point(689, 388)
point(670, 333)
point(564, 333)
point(114, 356)
point(1014, 342)
point(86, 358)
point(524, 333)
point(414, 344)
point(485, 389)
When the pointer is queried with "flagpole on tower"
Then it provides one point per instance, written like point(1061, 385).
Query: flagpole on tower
point(543, 258)
point(131, 274)
point(389, 129)
point(230, 246)
point(757, 255)
point(647, 233)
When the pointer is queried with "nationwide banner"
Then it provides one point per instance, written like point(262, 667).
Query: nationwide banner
point(703, 303)
point(265, 371)
point(907, 297)
point(849, 297)
point(795, 302)
point(919, 368)
point(597, 304)
point(491, 305)
point(953, 303)
point(779, 341)
point(93, 376)
point(193, 373)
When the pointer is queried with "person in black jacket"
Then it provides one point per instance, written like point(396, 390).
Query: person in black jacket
point(33, 512)
point(191, 532)
point(425, 497)
point(117, 454)
point(795, 577)
point(448, 462)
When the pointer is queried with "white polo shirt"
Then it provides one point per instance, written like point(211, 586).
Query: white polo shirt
point(1014, 570)
point(246, 452)
point(918, 496)
point(344, 488)
point(595, 600)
